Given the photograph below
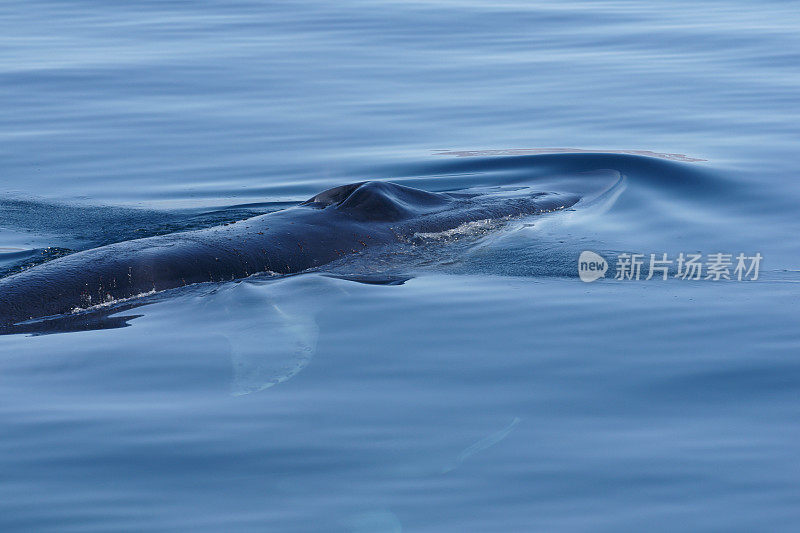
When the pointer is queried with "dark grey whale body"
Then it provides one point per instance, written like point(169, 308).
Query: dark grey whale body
point(339, 221)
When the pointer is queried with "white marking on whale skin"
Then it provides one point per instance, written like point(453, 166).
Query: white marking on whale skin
point(486, 442)
point(467, 229)
point(111, 302)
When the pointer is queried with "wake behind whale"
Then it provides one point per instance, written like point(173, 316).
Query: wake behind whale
point(338, 222)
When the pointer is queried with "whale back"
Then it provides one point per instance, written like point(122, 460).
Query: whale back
point(335, 222)
point(380, 201)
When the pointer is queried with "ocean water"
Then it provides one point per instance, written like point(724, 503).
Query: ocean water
point(476, 383)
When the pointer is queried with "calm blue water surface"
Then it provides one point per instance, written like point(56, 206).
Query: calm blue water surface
point(493, 390)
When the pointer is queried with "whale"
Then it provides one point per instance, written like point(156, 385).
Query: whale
point(337, 222)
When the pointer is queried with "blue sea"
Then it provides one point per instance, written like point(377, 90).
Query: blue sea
point(476, 383)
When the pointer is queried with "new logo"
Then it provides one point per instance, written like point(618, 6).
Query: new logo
point(591, 266)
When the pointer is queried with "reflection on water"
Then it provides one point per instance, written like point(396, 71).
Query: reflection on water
point(534, 151)
point(484, 443)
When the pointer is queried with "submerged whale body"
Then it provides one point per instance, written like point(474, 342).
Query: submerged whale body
point(339, 221)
